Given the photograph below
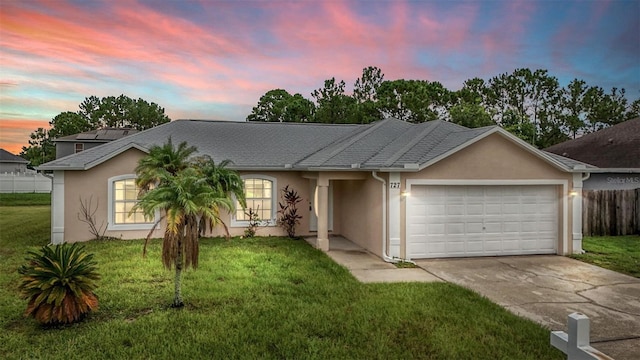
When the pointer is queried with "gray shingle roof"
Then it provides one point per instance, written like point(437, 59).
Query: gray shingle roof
point(617, 146)
point(570, 163)
point(386, 144)
point(7, 157)
point(99, 135)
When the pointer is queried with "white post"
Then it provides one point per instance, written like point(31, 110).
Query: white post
point(322, 206)
point(576, 343)
point(57, 208)
point(394, 214)
point(577, 213)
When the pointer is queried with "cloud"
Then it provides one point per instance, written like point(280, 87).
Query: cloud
point(14, 134)
point(215, 59)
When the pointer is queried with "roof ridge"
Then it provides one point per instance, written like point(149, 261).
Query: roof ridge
point(352, 139)
point(341, 138)
point(398, 154)
point(266, 123)
point(448, 135)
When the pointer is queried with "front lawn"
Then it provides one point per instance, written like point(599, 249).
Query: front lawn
point(25, 199)
point(617, 253)
point(257, 298)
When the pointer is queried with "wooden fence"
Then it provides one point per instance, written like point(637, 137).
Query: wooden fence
point(611, 212)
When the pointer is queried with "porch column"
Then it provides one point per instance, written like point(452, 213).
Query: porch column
point(394, 214)
point(576, 199)
point(322, 206)
point(57, 208)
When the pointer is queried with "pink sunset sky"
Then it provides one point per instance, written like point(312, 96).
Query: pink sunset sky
point(214, 59)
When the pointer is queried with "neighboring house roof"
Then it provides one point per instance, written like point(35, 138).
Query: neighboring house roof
point(99, 135)
point(7, 157)
point(617, 146)
point(388, 144)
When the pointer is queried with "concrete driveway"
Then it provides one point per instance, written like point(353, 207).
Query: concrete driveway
point(548, 288)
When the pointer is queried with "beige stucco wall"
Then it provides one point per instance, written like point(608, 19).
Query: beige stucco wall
point(93, 183)
point(496, 158)
point(360, 204)
point(295, 181)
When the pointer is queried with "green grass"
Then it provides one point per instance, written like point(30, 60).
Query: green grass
point(254, 298)
point(405, 265)
point(617, 253)
point(25, 199)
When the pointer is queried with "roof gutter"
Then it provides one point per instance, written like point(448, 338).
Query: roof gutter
point(385, 255)
point(609, 170)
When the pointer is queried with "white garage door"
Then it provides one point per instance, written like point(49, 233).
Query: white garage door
point(458, 221)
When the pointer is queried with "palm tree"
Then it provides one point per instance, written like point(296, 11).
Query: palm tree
point(222, 178)
point(190, 195)
point(162, 161)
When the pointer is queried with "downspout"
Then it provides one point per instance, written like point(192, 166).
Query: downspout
point(385, 255)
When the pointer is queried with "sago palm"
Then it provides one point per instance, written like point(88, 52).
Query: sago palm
point(59, 282)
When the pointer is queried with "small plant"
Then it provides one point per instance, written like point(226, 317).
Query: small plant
point(254, 222)
point(59, 282)
point(288, 213)
point(87, 215)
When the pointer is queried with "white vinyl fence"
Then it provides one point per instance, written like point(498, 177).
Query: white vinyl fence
point(24, 183)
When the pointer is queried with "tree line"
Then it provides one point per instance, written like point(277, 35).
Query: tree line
point(530, 104)
point(94, 113)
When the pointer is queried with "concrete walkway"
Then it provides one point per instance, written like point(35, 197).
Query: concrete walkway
point(368, 268)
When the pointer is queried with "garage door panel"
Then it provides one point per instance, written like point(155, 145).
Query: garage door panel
point(456, 209)
point(436, 229)
point(492, 246)
point(511, 227)
point(547, 227)
point(547, 210)
point(511, 208)
point(475, 246)
point(455, 229)
point(474, 228)
point(437, 209)
point(475, 209)
point(493, 209)
point(418, 209)
point(482, 220)
point(492, 228)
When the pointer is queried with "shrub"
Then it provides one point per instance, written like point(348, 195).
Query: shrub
point(288, 211)
point(59, 282)
point(254, 222)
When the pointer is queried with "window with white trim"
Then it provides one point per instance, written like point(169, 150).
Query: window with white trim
point(260, 193)
point(78, 147)
point(123, 196)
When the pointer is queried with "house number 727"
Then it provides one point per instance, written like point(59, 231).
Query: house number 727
point(394, 185)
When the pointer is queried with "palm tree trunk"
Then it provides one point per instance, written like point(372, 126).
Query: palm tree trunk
point(177, 298)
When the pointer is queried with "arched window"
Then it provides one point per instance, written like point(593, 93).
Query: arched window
point(260, 192)
point(123, 195)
